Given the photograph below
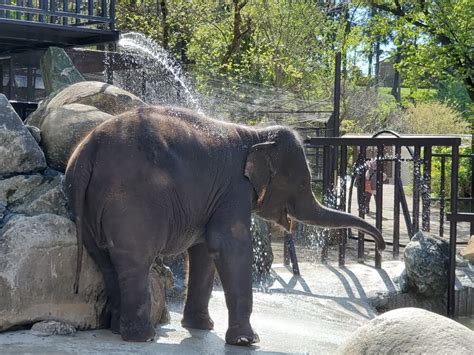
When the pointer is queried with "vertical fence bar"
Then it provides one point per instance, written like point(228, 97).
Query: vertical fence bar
point(396, 203)
point(52, 6)
point(103, 8)
point(41, 7)
point(452, 230)
point(416, 189)
point(442, 195)
point(7, 12)
point(90, 7)
point(29, 16)
point(65, 9)
point(426, 189)
point(18, 13)
point(362, 201)
point(326, 176)
point(112, 14)
point(343, 183)
point(78, 9)
point(379, 200)
point(2, 12)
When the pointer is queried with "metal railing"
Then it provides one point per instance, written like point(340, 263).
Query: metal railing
point(98, 13)
point(334, 151)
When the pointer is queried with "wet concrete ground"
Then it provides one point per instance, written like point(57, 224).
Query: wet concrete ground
point(313, 314)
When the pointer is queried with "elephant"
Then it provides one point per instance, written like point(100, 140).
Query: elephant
point(162, 180)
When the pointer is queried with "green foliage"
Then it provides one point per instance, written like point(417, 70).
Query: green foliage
point(464, 175)
point(431, 118)
point(435, 39)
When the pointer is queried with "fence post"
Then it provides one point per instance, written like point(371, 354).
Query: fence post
point(362, 201)
point(379, 200)
point(416, 189)
point(426, 189)
point(396, 203)
point(342, 181)
point(452, 230)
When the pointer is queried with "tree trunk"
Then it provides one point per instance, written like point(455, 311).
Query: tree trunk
point(377, 63)
point(396, 89)
point(238, 32)
point(164, 15)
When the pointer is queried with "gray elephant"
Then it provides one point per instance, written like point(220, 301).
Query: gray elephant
point(159, 181)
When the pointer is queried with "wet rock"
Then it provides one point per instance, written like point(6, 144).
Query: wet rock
point(19, 151)
point(64, 127)
point(409, 331)
point(35, 132)
point(262, 252)
point(468, 252)
point(47, 328)
point(426, 266)
point(34, 194)
point(105, 97)
point(37, 268)
point(58, 70)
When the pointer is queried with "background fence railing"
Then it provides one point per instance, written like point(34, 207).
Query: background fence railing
point(334, 170)
point(98, 13)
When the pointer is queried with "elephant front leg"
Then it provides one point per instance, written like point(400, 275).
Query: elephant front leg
point(232, 249)
point(200, 281)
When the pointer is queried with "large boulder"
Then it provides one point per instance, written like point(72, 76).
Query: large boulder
point(105, 97)
point(64, 127)
point(34, 194)
point(410, 331)
point(426, 266)
point(58, 70)
point(19, 151)
point(37, 268)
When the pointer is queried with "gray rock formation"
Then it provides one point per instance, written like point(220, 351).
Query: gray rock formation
point(58, 70)
point(47, 328)
point(19, 151)
point(410, 331)
point(37, 268)
point(426, 266)
point(64, 127)
point(105, 97)
point(34, 194)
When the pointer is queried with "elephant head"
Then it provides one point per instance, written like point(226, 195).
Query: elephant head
point(279, 173)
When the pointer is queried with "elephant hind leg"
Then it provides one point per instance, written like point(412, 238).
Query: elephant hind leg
point(102, 259)
point(200, 282)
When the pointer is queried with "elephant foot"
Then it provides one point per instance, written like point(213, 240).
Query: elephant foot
point(140, 331)
point(243, 336)
point(115, 323)
point(197, 321)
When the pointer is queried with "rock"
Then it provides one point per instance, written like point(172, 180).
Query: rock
point(35, 132)
point(64, 127)
point(58, 70)
point(468, 252)
point(105, 97)
point(37, 268)
point(426, 266)
point(19, 152)
point(410, 331)
point(34, 194)
point(47, 328)
point(262, 252)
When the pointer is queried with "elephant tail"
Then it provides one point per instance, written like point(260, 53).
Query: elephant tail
point(77, 177)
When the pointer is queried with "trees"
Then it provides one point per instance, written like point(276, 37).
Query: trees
point(436, 38)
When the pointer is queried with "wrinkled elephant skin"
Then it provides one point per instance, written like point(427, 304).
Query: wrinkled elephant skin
point(159, 181)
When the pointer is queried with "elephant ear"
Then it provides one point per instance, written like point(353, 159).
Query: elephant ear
point(259, 169)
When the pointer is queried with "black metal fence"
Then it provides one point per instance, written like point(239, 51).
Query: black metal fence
point(98, 13)
point(333, 155)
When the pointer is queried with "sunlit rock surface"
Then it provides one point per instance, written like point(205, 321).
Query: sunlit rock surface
point(410, 331)
point(19, 151)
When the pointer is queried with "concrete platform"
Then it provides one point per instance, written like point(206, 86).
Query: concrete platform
point(309, 314)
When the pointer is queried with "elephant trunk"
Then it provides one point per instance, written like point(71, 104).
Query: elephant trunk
point(329, 218)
